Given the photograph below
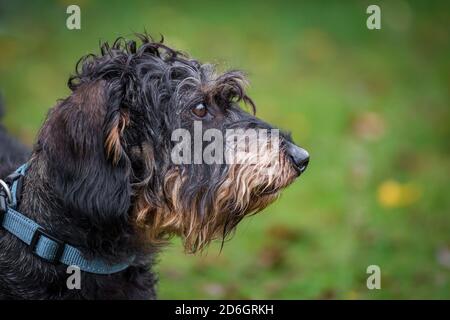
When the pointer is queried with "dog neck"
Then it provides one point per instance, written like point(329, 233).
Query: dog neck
point(112, 238)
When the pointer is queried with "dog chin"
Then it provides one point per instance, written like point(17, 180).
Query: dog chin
point(272, 190)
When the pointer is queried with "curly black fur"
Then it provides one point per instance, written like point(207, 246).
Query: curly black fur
point(79, 198)
point(103, 156)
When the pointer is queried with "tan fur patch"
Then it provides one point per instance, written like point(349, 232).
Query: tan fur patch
point(113, 143)
point(247, 190)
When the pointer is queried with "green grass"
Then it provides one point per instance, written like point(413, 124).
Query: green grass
point(370, 106)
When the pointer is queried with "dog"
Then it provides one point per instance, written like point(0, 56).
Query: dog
point(101, 175)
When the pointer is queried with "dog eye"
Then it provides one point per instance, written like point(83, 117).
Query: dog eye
point(200, 110)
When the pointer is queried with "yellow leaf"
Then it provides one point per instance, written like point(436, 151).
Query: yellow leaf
point(392, 194)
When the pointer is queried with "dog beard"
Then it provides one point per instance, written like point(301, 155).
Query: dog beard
point(245, 187)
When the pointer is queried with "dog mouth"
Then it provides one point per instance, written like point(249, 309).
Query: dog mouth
point(271, 190)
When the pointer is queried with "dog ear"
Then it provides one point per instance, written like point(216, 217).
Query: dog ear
point(83, 142)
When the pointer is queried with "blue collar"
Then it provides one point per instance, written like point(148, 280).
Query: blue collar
point(39, 241)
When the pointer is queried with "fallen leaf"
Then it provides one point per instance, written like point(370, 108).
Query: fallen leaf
point(392, 194)
point(282, 232)
point(272, 257)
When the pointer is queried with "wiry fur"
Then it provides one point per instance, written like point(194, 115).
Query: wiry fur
point(101, 177)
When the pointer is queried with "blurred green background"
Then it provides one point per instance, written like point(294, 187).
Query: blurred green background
point(372, 107)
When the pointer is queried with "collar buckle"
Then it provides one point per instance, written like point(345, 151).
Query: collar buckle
point(15, 181)
point(5, 191)
point(5, 199)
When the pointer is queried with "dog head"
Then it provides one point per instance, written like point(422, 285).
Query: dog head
point(154, 137)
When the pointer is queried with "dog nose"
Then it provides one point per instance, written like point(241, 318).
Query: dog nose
point(299, 157)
